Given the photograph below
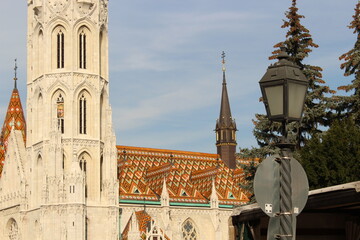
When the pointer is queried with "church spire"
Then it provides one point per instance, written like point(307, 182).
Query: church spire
point(226, 126)
point(15, 117)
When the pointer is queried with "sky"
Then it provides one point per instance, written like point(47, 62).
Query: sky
point(165, 62)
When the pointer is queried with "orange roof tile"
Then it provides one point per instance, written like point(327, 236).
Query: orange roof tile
point(188, 176)
point(14, 119)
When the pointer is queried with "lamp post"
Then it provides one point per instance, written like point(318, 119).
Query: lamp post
point(284, 88)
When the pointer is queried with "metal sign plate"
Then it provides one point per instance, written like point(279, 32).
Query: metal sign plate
point(267, 186)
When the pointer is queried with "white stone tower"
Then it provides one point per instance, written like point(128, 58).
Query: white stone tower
point(72, 188)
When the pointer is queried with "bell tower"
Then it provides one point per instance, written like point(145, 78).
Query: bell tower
point(70, 141)
point(226, 127)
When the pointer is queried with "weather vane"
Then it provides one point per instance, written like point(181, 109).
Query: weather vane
point(223, 61)
point(15, 69)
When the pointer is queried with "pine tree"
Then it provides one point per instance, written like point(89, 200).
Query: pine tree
point(253, 157)
point(350, 105)
point(333, 157)
point(299, 44)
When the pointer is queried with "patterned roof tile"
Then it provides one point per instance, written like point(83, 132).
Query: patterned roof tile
point(14, 119)
point(188, 175)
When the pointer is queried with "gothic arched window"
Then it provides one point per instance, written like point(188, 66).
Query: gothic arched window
point(82, 50)
point(82, 114)
point(60, 113)
point(60, 49)
point(189, 231)
point(13, 230)
point(82, 163)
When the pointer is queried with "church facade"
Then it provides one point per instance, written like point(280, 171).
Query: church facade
point(62, 175)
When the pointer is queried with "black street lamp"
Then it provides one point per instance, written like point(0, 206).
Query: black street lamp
point(284, 88)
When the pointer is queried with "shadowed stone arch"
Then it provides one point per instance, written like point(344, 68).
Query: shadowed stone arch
point(12, 229)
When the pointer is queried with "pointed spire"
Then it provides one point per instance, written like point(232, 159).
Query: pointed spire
point(15, 118)
point(214, 199)
point(226, 126)
point(165, 195)
point(225, 118)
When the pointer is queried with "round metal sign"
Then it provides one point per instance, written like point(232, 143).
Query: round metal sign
point(267, 186)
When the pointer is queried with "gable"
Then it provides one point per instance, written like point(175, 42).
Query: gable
point(13, 169)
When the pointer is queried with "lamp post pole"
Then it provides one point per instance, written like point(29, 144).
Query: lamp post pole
point(284, 88)
point(286, 231)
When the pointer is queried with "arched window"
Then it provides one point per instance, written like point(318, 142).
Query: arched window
point(82, 50)
point(101, 172)
point(82, 114)
point(83, 163)
point(38, 179)
point(39, 115)
point(39, 55)
point(103, 53)
point(189, 231)
point(13, 230)
point(60, 44)
point(60, 113)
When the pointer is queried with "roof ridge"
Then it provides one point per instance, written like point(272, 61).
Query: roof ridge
point(169, 151)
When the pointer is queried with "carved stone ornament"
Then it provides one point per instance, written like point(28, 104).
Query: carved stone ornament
point(103, 12)
point(38, 13)
point(58, 6)
point(85, 7)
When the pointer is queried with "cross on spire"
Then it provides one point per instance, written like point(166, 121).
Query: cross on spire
point(15, 77)
point(223, 61)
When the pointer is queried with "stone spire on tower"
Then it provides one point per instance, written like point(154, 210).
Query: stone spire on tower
point(226, 127)
point(14, 118)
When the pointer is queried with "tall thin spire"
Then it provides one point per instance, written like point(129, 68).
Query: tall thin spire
point(226, 126)
point(15, 75)
point(225, 111)
point(14, 120)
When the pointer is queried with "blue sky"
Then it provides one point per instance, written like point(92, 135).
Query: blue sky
point(165, 65)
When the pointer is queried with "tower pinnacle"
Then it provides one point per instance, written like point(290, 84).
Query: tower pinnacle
point(226, 126)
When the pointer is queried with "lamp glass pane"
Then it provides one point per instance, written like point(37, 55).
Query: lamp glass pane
point(297, 94)
point(275, 98)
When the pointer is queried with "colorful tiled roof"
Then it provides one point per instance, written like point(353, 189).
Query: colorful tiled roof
point(14, 119)
point(188, 176)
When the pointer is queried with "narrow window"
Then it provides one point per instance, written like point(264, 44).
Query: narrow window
point(60, 113)
point(83, 168)
point(63, 162)
point(101, 173)
point(60, 49)
point(82, 115)
point(82, 50)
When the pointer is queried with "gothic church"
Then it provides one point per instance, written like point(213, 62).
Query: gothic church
point(62, 175)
